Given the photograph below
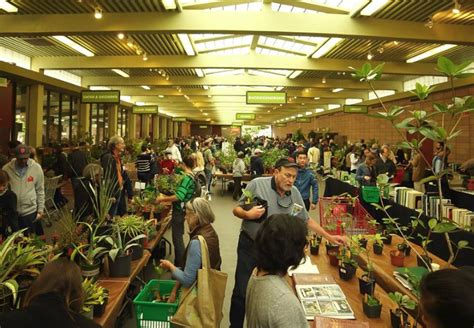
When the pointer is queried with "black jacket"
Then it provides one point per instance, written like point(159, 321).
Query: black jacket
point(256, 166)
point(387, 167)
point(77, 162)
point(47, 310)
point(109, 164)
point(8, 212)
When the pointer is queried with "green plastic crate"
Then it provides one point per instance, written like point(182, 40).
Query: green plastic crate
point(370, 194)
point(155, 315)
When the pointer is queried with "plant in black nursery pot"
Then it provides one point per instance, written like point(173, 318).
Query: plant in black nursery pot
point(314, 243)
point(372, 306)
point(377, 243)
point(120, 255)
point(366, 280)
point(399, 317)
point(347, 265)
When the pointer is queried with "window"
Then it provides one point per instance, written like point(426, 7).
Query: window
point(122, 122)
point(21, 102)
point(60, 118)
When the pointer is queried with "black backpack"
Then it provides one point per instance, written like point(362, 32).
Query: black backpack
point(200, 185)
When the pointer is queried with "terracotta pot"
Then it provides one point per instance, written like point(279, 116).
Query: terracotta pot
point(333, 260)
point(397, 258)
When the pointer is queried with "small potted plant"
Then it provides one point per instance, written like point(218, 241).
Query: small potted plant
point(404, 246)
point(362, 241)
point(314, 243)
point(131, 226)
point(347, 265)
point(399, 317)
point(95, 298)
point(119, 253)
point(333, 257)
point(366, 280)
point(397, 258)
point(371, 306)
point(378, 243)
point(330, 247)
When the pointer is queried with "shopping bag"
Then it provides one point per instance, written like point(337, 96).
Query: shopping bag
point(201, 305)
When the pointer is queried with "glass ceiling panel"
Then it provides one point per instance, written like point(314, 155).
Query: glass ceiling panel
point(224, 43)
point(265, 51)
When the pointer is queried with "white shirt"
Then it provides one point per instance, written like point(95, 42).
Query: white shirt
point(314, 154)
point(175, 153)
point(355, 161)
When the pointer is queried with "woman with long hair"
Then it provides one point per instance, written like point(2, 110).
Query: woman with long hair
point(54, 300)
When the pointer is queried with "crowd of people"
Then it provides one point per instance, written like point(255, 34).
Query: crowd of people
point(273, 234)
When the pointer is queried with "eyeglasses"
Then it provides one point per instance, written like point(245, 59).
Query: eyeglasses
point(284, 202)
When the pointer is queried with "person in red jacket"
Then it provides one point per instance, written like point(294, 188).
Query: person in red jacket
point(168, 164)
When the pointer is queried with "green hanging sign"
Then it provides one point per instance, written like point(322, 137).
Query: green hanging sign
point(179, 119)
point(303, 119)
point(3, 82)
point(100, 97)
point(203, 126)
point(237, 123)
point(245, 116)
point(280, 125)
point(356, 109)
point(266, 97)
point(235, 126)
point(145, 109)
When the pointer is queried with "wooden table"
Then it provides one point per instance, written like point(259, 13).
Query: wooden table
point(118, 286)
point(117, 291)
point(351, 290)
point(383, 268)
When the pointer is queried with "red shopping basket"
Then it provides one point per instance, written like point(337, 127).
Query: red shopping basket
point(344, 216)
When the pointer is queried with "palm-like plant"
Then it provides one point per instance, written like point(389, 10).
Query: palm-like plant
point(131, 225)
point(117, 244)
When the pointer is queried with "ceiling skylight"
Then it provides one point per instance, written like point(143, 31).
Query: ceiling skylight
point(221, 72)
point(265, 51)
point(286, 45)
point(219, 44)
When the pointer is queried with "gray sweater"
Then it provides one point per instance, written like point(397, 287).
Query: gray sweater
point(28, 188)
point(270, 303)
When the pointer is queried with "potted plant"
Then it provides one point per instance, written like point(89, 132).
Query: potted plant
point(347, 265)
point(333, 257)
point(399, 317)
point(90, 252)
point(397, 258)
point(330, 247)
point(95, 298)
point(377, 243)
point(366, 280)
point(314, 243)
point(119, 253)
point(131, 226)
point(371, 306)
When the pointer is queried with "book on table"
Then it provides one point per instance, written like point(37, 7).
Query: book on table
point(323, 322)
point(320, 295)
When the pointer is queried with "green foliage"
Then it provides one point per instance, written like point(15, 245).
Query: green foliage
point(271, 156)
point(249, 196)
point(377, 239)
point(94, 294)
point(403, 301)
point(298, 135)
point(372, 301)
point(450, 69)
point(422, 91)
point(131, 225)
point(367, 73)
point(226, 159)
point(117, 245)
point(167, 183)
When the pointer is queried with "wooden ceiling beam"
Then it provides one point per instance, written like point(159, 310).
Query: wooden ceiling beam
point(265, 22)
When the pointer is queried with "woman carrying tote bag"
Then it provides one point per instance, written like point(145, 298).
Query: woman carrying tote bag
point(203, 291)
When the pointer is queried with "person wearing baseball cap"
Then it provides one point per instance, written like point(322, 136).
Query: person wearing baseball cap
point(276, 195)
point(27, 182)
point(256, 164)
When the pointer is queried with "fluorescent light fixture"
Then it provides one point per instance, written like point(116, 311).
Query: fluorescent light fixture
point(430, 53)
point(309, 113)
point(333, 106)
point(139, 103)
point(295, 74)
point(337, 89)
point(126, 98)
point(8, 7)
point(293, 117)
point(187, 45)
point(146, 87)
point(208, 119)
point(352, 101)
point(319, 110)
point(199, 72)
point(169, 4)
point(120, 36)
point(373, 7)
point(299, 115)
point(328, 45)
point(279, 88)
point(316, 98)
point(287, 119)
point(186, 96)
point(205, 114)
point(161, 96)
point(98, 88)
point(120, 72)
point(68, 42)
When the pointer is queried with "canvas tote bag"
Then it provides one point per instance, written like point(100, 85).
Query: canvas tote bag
point(201, 305)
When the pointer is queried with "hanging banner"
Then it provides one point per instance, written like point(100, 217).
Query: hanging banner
point(179, 119)
point(280, 125)
point(145, 109)
point(266, 97)
point(245, 116)
point(303, 119)
point(357, 109)
point(237, 123)
point(203, 126)
point(100, 97)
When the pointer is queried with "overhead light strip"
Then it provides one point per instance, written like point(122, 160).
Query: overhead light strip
point(187, 45)
point(146, 87)
point(8, 7)
point(120, 72)
point(71, 44)
point(326, 47)
point(373, 7)
point(431, 53)
point(169, 4)
point(295, 74)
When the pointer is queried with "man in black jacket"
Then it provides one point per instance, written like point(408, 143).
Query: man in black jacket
point(256, 164)
point(384, 164)
point(113, 169)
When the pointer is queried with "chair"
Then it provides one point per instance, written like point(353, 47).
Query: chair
point(50, 207)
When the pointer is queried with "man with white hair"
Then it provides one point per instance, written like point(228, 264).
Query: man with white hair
point(113, 169)
point(175, 153)
point(256, 164)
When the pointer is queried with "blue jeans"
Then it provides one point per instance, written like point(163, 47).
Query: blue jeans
point(177, 232)
point(26, 221)
point(246, 262)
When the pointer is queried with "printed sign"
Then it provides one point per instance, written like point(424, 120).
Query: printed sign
point(145, 109)
point(266, 97)
point(358, 109)
point(100, 97)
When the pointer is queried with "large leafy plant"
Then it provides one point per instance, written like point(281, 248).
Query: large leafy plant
point(117, 244)
point(94, 294)
point(439, 124)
